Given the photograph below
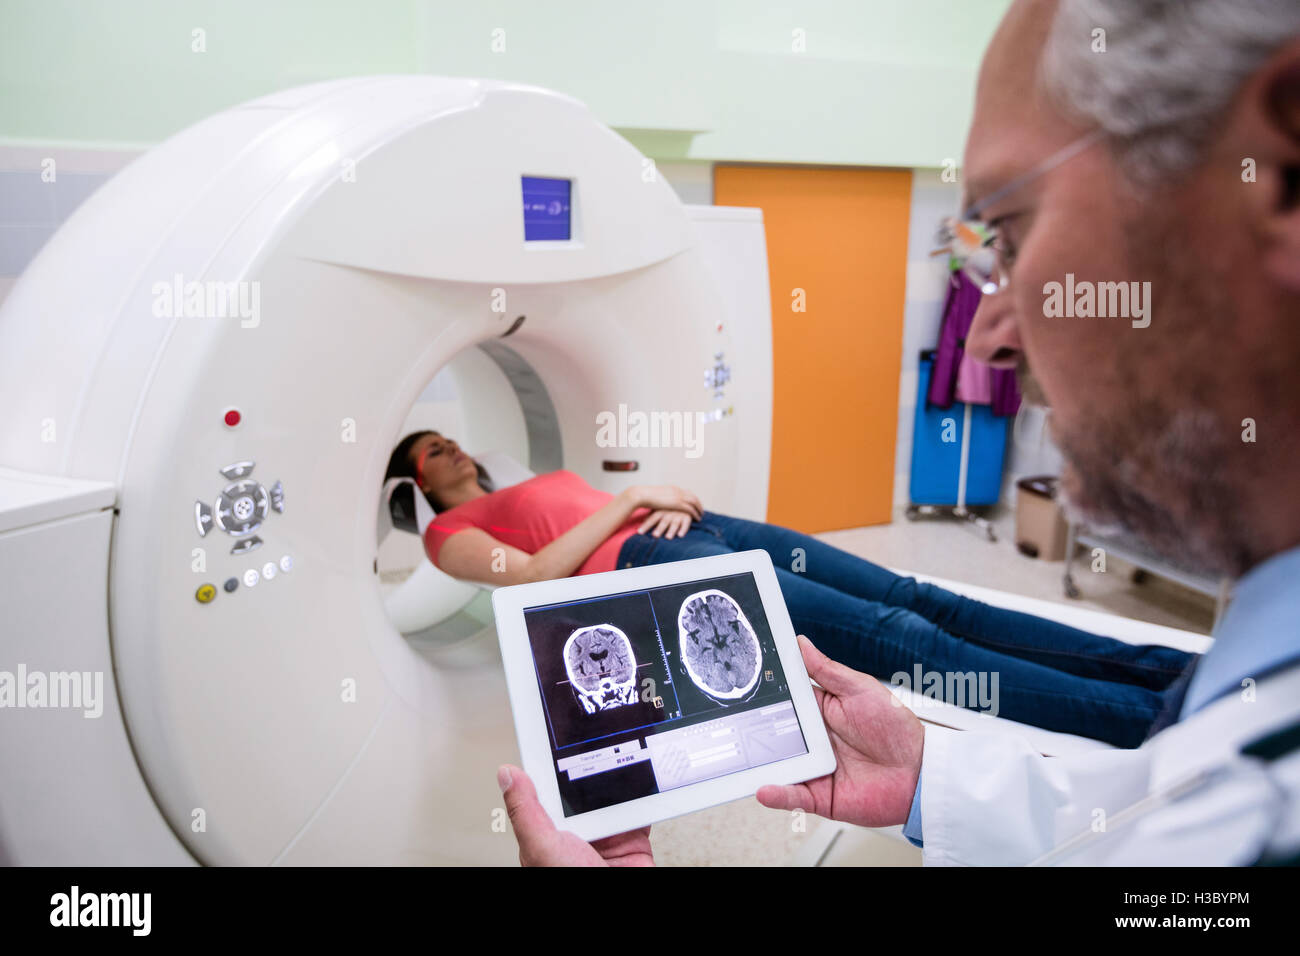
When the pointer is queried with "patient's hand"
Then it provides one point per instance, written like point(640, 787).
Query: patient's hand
point(877, 747)
point(666, 498)
point(541, 844)
point(666, 524)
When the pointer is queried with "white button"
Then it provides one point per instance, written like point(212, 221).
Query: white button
point(286, 563)
point(250, 577)
point(268, 570)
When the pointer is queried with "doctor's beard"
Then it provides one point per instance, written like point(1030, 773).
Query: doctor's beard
point(1153, 480)
point(1159, 488)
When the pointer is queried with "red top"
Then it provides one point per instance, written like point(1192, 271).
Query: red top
point(532, 514)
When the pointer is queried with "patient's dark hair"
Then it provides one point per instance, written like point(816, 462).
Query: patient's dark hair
point(401, 465)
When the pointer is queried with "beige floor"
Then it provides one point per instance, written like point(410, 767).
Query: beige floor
point(744, 833)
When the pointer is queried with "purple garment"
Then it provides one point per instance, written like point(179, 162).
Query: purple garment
point(958, 313)
point(974, 381)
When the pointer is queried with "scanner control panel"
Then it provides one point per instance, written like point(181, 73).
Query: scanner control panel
point(239, 510)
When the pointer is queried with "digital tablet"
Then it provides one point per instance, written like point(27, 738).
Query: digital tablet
point(646, 693)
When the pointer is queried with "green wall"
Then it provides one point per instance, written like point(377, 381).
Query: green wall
point(879, 82)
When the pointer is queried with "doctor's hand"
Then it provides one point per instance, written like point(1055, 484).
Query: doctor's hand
point(877, 748)
point(541, 844)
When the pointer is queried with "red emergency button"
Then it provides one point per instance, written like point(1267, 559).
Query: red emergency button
point(232, 417)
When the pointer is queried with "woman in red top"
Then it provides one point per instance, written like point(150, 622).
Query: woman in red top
point(865, 616)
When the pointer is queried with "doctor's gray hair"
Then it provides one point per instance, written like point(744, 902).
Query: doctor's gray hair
point(1169, 70)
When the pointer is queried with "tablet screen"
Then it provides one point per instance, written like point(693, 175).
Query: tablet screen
point(649, 690)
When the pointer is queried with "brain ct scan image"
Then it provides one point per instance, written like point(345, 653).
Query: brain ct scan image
point(718, 645)
point(601, 667)
point(634, 710)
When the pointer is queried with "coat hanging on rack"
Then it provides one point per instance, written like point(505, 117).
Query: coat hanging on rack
point(950, 355)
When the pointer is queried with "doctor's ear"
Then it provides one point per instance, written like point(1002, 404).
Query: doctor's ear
point(1281, 216)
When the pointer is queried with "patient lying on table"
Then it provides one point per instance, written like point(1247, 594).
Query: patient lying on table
point(868, 618)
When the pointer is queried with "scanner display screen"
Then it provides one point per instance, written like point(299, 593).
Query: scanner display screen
point(547, 208)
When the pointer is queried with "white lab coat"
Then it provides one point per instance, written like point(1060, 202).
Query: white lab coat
point(990, 799)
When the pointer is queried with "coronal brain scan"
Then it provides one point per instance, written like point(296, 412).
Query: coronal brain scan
point(719, 647)
point(601, 667)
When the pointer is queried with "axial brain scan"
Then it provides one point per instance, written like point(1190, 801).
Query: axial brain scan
point(601, 667)
point(719, 647)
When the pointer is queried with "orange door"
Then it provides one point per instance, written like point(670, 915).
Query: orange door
point(837, 257)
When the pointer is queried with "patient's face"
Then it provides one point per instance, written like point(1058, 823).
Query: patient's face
point(445, 465)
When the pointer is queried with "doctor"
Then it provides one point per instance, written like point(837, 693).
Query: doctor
point(1165, 150)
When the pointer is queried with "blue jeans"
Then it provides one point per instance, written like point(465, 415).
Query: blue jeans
point(875, 621)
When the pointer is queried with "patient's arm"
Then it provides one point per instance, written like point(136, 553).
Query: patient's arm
point(472, 554)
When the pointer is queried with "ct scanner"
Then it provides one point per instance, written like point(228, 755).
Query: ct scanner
point(203, 375)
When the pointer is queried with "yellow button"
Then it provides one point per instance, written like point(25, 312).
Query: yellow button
point(205, 594)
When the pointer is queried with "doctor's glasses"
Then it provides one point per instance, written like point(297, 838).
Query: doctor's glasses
point(977, 248)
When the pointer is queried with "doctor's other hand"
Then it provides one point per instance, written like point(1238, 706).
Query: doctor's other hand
point(877, 746)
point(541, 844)
point(665, 498)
